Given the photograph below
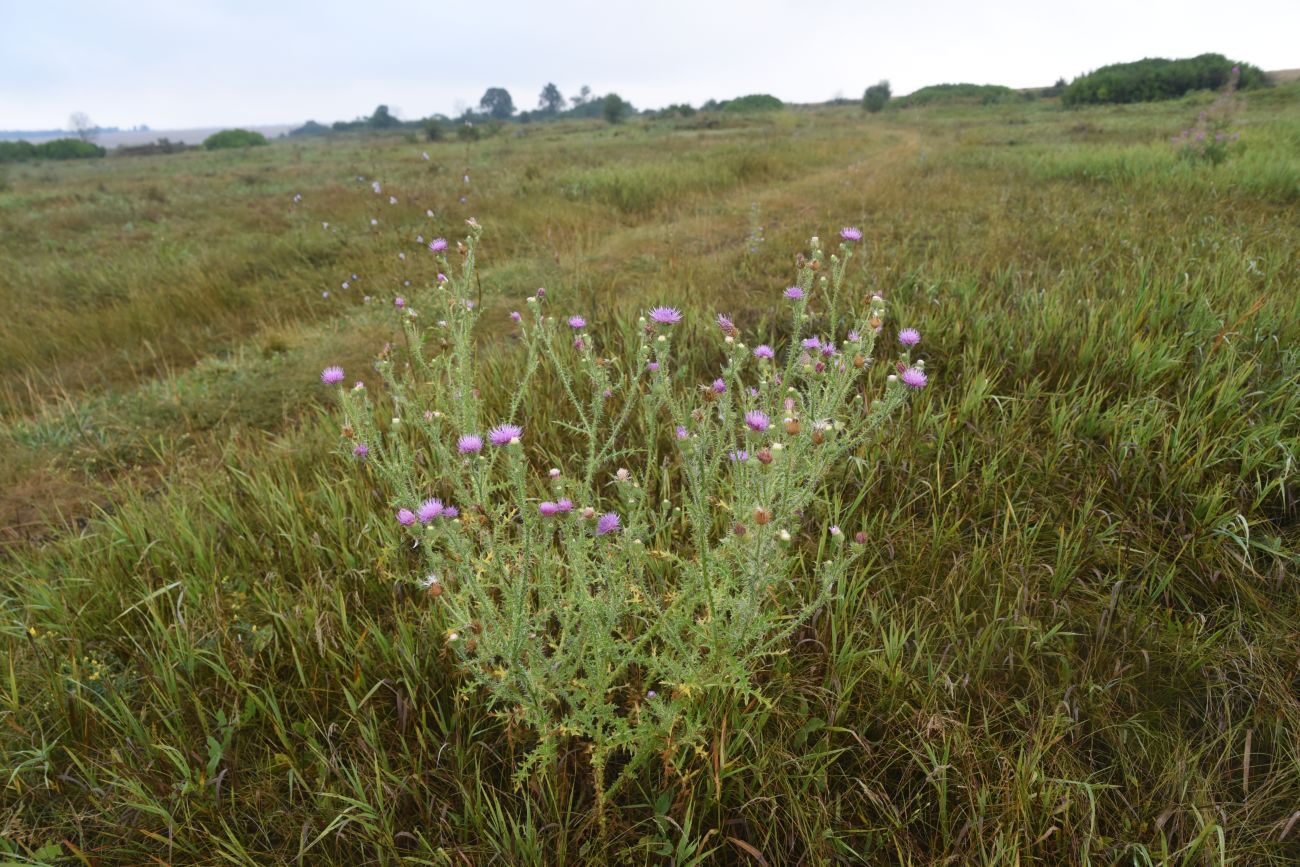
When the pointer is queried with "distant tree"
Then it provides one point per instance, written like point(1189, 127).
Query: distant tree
point(434, 129)
point(309, 128)
point(551, 101)
point(81, 125)
point(754, 102)
point(876, 96)
point(616, 108)
point(382, 119)
point(583, 97)
point(497, 103)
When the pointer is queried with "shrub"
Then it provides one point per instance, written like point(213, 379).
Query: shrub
point(434, 130)
point(876, 97)
point(754, 102)
point(1157, 78)
point(310, 128)
point(981, 94)
point(15, 151)
point(615, 108)
point(234, 138)
point(467, 131)
point(684, 535)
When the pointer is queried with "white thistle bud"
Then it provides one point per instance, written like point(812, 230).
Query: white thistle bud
point(785, 535)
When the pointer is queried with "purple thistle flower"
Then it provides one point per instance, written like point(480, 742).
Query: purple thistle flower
point(361, 451)
point(851, 233)
point(719, 386)
point(666, 315)
point(828, 349)
point(405, 517)
point(429, 510)
point(541, 293)
point(504, 434)
point(763, 351)
point(331, 375)
point(579, 344)
point(909, 337)
point(514, 316)
point(470, 444)
point(812, 343)
point(653, 366)
point(914, 377)
point(682, 433)
point(738, 457)
point(548, 509)
point(437, 245)
point(399, 302)
point(757, 421)
point(608, 523)
point(794, 293)
point(577, 322)
point(854, 337)
point(728, 327)
point(450, 512)
point(442, 278)
point(564, 506)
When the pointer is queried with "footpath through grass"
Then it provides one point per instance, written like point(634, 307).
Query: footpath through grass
point(1073, 639)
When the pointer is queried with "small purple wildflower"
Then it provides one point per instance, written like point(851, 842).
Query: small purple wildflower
point(812, 343)
point(757, 421)
point(728, 327)
point(854, 337)
point(548, 509)
point(794, 293)
point(450, 512)
point(442, 278)
point(579, 344)
point(429, 510)
point(828, 349)
point(608, 523)
point(361, 451)
point(666, 315)
point(504, 434)
point(763, 351)
point(738, 457)
point(469, 444)
point(851, 233)
point(909, 337)
point(399, 302)
point(331, 375)
point(514, 316)
point(564, 506)
point(653, 366)
point(437, 245)
point(719, 386)
point(914, 377)
point(405, 517)
point(576, 322)
point(682, 433)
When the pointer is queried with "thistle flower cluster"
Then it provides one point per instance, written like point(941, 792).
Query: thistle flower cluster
point(674, 548)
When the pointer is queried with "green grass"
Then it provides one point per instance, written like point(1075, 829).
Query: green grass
point(1073, 640)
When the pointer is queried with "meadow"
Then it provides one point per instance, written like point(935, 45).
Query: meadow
point(1070, 633)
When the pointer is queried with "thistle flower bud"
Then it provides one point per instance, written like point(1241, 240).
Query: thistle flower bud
point(785, 535)
point(762, 516)
point(738, 528)
point(764, 457)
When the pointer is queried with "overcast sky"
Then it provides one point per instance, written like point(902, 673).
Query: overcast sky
point(186, 63)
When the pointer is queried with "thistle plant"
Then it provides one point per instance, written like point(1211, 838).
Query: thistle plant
point(683, 538)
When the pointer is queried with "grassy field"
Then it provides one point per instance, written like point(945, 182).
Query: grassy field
point(1073, 640)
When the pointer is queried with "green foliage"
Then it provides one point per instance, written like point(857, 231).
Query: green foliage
point(753, 102)
point(159, 147)
point(551, 101)
point(467, 131)
point(615, 108)
point(234, 138)
point(382, 119)
point(309, 129)
point(970, 94)
point(435, 129)
point(55, 149)
point(682, 109)
point(1156, 78)
point(876, 97)
point(497, 104)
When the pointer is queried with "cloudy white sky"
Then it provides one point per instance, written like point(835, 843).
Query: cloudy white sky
point(185, 63)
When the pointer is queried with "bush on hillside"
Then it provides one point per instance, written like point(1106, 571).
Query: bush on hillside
point(1157, 78)
point(234, 138)
point(972, 94)
point(876, 97)
point(754, 102)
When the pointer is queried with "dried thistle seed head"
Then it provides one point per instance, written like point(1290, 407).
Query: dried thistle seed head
point(859, 362)
point(764, 457)
point(819, 436)
point(762, 516)
point(709, 394)
point(815, 264)
point(875, 322)
point(435, 590)
point(348, 431)
point(738, 528)
point(792, 426)
point(860, 537)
